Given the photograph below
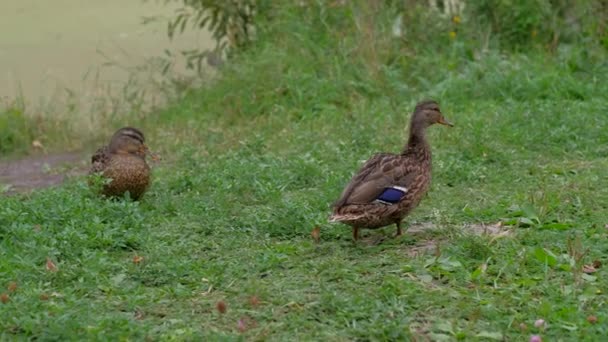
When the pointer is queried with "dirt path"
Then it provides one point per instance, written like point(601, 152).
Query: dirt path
point(38, 172)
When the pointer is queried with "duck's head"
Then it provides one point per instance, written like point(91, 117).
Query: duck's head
point(129, 140)
point(427, 113)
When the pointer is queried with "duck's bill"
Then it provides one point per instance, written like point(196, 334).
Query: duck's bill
point(445, 122)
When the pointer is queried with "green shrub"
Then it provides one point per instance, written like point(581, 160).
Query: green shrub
point(518, 24)
point(15, 131)
point(508, 24)
point(231, 23)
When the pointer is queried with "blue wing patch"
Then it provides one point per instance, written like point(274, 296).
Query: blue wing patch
point(391, 195)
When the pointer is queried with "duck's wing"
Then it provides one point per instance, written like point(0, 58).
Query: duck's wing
point(383, 171)
point(99, 159)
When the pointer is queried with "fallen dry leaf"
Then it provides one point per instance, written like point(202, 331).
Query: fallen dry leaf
point(254, 301)
point(589, 269)
point(221, 307)
point(4, 298)
point(245, 323)
point(241, 325)
point(337, 3)
point(37, 144)
point(316, 234)
point(50, 265)
point(137, 259)
point(139, 315)
point(540, 323)
point(12, 286)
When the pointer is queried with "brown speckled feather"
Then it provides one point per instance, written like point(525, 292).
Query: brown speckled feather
point(126, 167)
point(128, 173)
point(378, 173)
point(99, 159)
point(357, 205)
point(362, 204)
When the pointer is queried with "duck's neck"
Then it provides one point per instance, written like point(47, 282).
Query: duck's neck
point(417, 145)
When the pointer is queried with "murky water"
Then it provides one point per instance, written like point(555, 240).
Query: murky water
point(52, 47)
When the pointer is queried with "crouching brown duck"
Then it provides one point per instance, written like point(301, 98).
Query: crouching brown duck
point(389, 186)
point(123, 161)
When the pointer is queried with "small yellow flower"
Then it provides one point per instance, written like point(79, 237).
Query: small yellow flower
point(452, 34)
point(456, 19)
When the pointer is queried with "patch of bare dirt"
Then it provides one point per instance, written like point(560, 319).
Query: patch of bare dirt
point(423, 247)
point(495, 230)
point(430, 245)
point(38, 172)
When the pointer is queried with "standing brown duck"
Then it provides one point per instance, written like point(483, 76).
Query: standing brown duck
point(124, 162)
point(389, 186)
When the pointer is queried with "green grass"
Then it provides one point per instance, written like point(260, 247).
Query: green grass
point(250, 167)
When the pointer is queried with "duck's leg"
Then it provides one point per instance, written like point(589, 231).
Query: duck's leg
point(399, 232)
point(355, 233)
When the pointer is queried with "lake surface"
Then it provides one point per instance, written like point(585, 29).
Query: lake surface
point(50, 48)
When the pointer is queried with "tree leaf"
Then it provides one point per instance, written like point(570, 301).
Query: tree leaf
point(50, 265)
point(440, 337)
point(588, 277)
point(545, 256)
point(556, 226)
